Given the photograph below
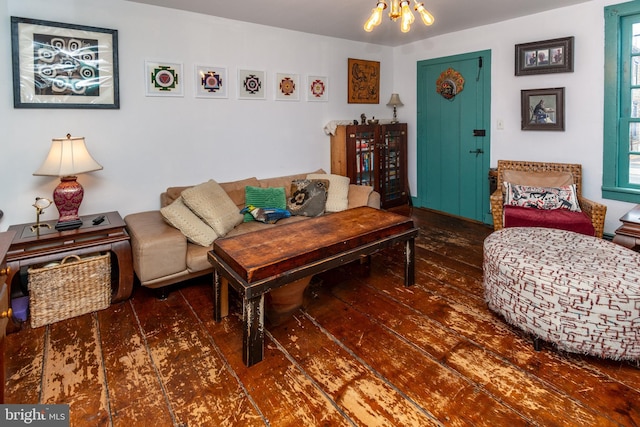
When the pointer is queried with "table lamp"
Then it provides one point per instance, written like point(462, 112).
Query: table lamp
point(67, 158)
point(394, 102)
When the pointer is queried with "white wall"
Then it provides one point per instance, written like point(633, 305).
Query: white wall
point(581, 142)
point(151, 143)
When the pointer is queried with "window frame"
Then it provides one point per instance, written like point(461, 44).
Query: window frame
point(616, 144)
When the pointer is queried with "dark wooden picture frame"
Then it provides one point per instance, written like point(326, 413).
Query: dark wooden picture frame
point(57, 65)
point(544, 57)
point(543, 109)
point(364, 82)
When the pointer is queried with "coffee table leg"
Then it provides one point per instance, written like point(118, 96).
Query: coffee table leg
point(217, 296)
point(253, 334)
point(409, 262)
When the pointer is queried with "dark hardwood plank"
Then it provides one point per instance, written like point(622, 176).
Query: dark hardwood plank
point(135, 393)
point(24, 364)
point(285, 394)
point(449, 397)
point(190, 368)
point(73, 371)
point(364, 397)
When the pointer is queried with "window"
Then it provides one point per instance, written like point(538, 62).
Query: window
point(621, 169)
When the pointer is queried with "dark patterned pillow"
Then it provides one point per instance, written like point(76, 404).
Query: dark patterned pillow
point(308, 197)
point(564, 197)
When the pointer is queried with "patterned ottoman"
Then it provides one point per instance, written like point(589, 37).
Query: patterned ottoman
point(578, 292)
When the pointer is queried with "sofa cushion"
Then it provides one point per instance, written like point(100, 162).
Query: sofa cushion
point(285, 181)
point(196, 258)
point(538, 179)
point(195, 229)
point(211, 203)
point(157, 247)
point(235, 190)
point(308, 197)
point(264, 198)
point(564, 197)
point(338, 195)
point(518, 216)
point(171, 195)
point(359, 196)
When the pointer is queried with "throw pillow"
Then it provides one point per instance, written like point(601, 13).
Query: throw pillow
point(338, 195)
point(308, 197)
point(211, 203)
point(538, 179)
point(564, 197)
point(264, 198)
point(181, 217)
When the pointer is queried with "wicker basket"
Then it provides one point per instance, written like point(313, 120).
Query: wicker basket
point(69, 289)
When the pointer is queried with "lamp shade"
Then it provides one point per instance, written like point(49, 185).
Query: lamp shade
point(395, 101)
point(67, 156)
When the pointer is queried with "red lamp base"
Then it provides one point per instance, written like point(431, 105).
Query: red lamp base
point(68, 196)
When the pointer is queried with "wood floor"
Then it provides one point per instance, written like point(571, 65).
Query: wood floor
point(364, 351)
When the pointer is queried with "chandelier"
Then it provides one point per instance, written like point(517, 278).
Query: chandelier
point(399, 9)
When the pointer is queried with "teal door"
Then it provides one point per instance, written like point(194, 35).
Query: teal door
point(453, 135)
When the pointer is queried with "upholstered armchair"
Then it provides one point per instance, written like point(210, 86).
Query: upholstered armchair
point(543, 175)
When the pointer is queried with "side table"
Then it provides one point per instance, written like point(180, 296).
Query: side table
point(628, 234)
point(42, 245)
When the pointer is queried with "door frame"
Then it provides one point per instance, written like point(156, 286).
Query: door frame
point(484, 103)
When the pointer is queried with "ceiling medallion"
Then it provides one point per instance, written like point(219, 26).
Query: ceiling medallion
point(450, 83)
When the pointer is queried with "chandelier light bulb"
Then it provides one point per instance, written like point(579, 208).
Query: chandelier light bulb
point(394, 13)
point(427, 18)
point(376, 17)
point(407, 17)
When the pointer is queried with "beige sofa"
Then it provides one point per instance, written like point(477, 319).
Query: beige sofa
point(162, 255)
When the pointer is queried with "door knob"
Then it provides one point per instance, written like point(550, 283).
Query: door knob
point(5, 271)
point(6, 314)
point(477, 151)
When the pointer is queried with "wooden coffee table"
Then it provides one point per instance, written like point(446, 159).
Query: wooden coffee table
point(257, 262)
point(628, 234)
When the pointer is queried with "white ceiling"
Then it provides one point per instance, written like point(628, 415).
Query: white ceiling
point(345, 18)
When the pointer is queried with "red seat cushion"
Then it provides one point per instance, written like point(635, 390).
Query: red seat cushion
point(518, 216)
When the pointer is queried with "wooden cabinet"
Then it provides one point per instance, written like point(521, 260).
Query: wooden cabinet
point(5, 311)
point(373, 155)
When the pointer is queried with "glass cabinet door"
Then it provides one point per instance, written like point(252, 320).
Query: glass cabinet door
point(393, 165)
point(363, 141)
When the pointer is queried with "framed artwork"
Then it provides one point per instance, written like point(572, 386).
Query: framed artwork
point(317, 88)
point(287, 87)
point(251, 84)
point(211, 82)
point(363, 82)
point(163, 78)
point(544, 57)
point(57, 65)
point(543, 109)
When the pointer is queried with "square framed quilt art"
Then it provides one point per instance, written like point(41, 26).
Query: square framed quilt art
point(287, 87)
point(317, 88)
point(251, 84)
point(211, 82)
point(163, 78)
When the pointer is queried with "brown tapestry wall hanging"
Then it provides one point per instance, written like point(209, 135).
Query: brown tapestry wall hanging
point(364, 82)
